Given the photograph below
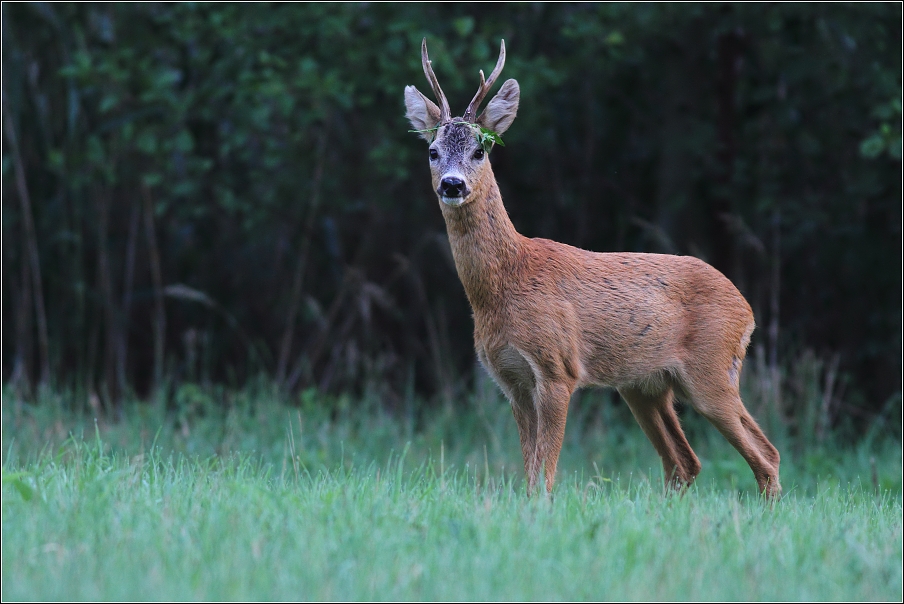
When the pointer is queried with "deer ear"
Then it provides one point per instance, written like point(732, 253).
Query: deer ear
point(421, 112)
point(500, 112)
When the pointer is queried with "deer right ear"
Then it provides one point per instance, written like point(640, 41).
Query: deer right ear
point(501, 110)
point(421, 112)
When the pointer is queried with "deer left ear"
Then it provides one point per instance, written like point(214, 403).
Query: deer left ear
point(500, 112)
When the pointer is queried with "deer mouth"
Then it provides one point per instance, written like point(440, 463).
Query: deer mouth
point(452, 201)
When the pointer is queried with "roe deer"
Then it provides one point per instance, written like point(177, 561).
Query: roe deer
point(550, 318)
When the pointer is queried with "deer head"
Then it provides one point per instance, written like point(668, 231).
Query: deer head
point(458, 153)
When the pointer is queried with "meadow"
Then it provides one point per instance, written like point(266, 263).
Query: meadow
point(201, 194)
point(251, 496)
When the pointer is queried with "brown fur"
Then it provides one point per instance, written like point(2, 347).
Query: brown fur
point(550, 318)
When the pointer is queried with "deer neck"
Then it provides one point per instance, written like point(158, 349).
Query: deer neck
point(485, 244)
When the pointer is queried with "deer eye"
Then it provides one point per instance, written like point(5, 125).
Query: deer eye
point(434, 154)
point(478, 154)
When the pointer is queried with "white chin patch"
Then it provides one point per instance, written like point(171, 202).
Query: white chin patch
point(452, 201)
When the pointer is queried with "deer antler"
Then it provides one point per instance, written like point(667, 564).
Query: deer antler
point(471, 113)
point(445, 113)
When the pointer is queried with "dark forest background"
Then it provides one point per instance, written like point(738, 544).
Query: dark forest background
point(211, 193)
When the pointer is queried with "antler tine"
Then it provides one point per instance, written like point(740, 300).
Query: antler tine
point(445, 113)
point(485, 85)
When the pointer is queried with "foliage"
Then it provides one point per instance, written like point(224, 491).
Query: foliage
point(253, 160)
point(486, 138)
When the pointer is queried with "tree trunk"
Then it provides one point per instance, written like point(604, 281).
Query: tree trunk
point(774, 292)
point(285, 348)
point(31, 245)
point(105, 284)
point(20, 378)
point(157, 278)
point(730, 47)
point(122, 349)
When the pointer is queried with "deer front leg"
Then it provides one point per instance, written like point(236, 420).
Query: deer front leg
point(552, 410)
point(526, 418)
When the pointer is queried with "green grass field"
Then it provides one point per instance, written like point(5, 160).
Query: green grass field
point(240, 497)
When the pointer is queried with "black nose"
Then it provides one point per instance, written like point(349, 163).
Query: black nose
point(452, 186)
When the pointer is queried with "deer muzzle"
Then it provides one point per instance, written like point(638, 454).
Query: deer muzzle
point(452, 190)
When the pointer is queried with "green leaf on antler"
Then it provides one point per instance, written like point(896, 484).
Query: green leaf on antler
point(434, 129)
point(485, 138)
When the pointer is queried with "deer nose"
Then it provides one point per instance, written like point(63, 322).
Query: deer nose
point(452, 186)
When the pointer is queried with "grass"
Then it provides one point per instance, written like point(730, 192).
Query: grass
point(238, 496)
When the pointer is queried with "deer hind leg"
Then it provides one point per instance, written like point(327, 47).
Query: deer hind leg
point(656, 415)
point(721, 404)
